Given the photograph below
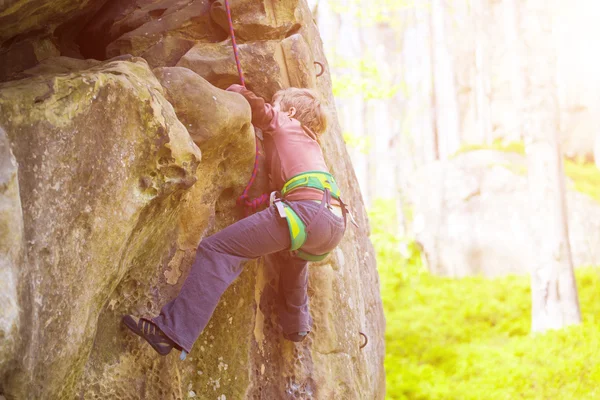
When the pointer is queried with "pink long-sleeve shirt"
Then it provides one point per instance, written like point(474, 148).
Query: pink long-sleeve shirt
point(290, 147)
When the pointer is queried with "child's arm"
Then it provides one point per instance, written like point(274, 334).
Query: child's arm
point(264, 116)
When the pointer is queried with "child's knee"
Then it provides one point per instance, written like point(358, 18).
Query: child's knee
point(205, 245)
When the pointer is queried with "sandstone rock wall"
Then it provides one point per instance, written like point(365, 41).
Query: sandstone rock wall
point(112, 171)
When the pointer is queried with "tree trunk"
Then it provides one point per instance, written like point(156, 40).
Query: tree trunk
point(553, 289)
point(418, 120)
point(482, 86)
point(514, 125)
point(597, 150)
point(446, 104)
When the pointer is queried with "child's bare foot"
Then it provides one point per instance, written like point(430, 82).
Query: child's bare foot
point(151, 333)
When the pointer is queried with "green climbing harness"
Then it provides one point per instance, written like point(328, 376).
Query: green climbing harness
point(314, 179)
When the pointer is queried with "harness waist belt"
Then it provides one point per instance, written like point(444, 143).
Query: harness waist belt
point(313, 179)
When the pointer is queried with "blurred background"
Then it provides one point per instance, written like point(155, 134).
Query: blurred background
point(473, 127)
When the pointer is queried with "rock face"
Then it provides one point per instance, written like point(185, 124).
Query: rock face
point(113, 170)
point(470, 216)
point(102, 160)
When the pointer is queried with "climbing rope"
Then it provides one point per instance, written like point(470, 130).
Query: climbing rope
point(250, 205)
point(234, 44)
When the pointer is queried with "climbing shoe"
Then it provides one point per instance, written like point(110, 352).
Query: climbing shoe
point(151, 333)
point(296, 336)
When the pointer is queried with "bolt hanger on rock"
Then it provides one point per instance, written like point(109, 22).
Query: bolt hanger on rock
point(322, 70)
point(366, 340)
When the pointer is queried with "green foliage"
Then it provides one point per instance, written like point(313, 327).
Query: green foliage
point(361, 143)
point(497, 144)
point(469, 338)
point(359, 77)
point(585, 175)
point(377, 11)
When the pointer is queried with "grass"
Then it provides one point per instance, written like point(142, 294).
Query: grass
point(469, 338)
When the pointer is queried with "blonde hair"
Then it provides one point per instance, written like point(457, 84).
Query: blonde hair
point(309, 110)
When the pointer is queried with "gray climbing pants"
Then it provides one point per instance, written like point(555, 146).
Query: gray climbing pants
point(218, 262)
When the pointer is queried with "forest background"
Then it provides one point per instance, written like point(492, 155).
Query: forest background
point(472, 126)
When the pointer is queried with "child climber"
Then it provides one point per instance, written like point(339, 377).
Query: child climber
point(307, 213)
